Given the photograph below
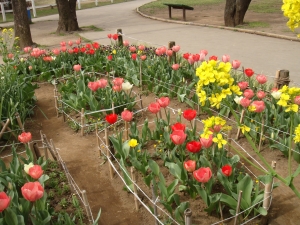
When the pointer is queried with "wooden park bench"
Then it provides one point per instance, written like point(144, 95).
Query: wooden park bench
point(178, 6)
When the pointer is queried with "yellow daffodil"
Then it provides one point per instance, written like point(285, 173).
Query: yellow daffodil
point(244, 128)
point(114, 52)
point(292, 107)
point(219, 140)
point(132, 143)
point(297, 134)
point(251, 108)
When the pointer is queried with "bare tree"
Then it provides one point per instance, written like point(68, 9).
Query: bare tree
point(67, 16)
point(235, 11)
point(21, 21)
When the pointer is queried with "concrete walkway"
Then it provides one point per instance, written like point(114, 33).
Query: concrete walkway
point(262, 54)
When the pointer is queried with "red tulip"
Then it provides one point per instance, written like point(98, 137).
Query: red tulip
point(25, 137)
point(35, 171)
point(245, 102)
point(93, 86)
point(163, 102)
point(196, 57)
point(77, 67)
point(154, 107)
point(236, 64)
point(32, 191)
point(193, 146)
point(127, 115)
point(143, 57)
point(4, 201)
point(70, 43)
point(243, 85)
point(109, 57)
point(175, 66)
point(109, 36)
point(259, 106)
point(178, 137)
point(189, 114)
point(91, 51)
point(225, 58)
point(213, 57)
point(111, 118)
point(297, 100)
point(118, 81)
point(205, 52)
point(248, 93)
point(261, 79)
point(190, 165)
point(260, 94)
point(176, 48)
point(178, 126)
point(133, 56)
point(82, 49)
point(207, 142)
point(227, 170)
point(186, 56)
point(115, 36)
point(249, 72)
point(102, 83)
point(88, 46)
point(202, 174)
point(75, 50)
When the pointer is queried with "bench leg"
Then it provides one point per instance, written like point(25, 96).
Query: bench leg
point(170, 14)
point(184, 18)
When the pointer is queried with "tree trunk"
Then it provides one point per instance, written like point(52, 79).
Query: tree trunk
point(235, 11)
point(21, 21)
point(67, 16)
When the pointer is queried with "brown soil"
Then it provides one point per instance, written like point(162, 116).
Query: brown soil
point(274, 23)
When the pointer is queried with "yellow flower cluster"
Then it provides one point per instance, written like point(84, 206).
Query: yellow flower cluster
point(132, 143)
point(287, 98)
point(297, 134)
point(291, 9)
point(214, 125)
point(216, 76)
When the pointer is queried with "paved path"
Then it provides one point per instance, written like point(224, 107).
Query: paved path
point(262, 54)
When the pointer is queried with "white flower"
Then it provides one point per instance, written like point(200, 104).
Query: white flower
point(27, 167)
point(276, 94)
point(238, 99)
point(126, 86)
point(53, 57)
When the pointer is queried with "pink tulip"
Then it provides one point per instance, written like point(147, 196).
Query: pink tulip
point(163, 102)
point(141, 47)
point(102, 83)
point(154, 107)
point(30, 67)
point(143, 57)
point(245, 102)
point(260, 94)
point(27, 49)
point(25, 137)
point(175, 66)
point(118, 81)
point(261, 79)
point(56, 51)
point(191, 60)
point(77, 67)
point(35, 171)
point(127, 115)
point(63, 43)
point(259, 106)
point(225, 58)
point(4, 201)
point(63, 48)
point(176, 48)
point(93, 86)
point(236, 64)
point(248, 93)
point(70, 43)
point(205, 52)
point(32, 191)
point(190, 165)
point(207, 142)
point(117, 88)
point(78, 41)
point(163, 49)
point(132, 49)
point(169, 52)
point(297, 100)
point(243, 85)
point(178, 137)
point(126, 43)
point(158, 52)
point(203, 174)
point(10, 55)
point(70, 51)
point(202, 57)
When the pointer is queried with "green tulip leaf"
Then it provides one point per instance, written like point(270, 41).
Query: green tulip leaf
point(262, 211)
point(154, 167)
point(245, 185)
point(10, 217)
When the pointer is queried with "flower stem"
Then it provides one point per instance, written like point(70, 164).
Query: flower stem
point(290, 145)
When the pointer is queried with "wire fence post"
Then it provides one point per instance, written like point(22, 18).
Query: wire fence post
point(33, 8)
point(170, 46)
point(78, 4)
point(268, 190)
point(120, 37)
point(55, 101)
point(19, 122)
point(49, 147)
point(241, 120)
point(141, 76)
point(4, 127)
point(133, 177)
point(108, 154)
point(36, 150)
point(188, 216)
point(229, 139)
point(62, 110)
point(282, 78)
point(82, 121)
point(3, 11)
point(154, 203)
point(238, 208)
point(261, 134)
point(87, 206)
